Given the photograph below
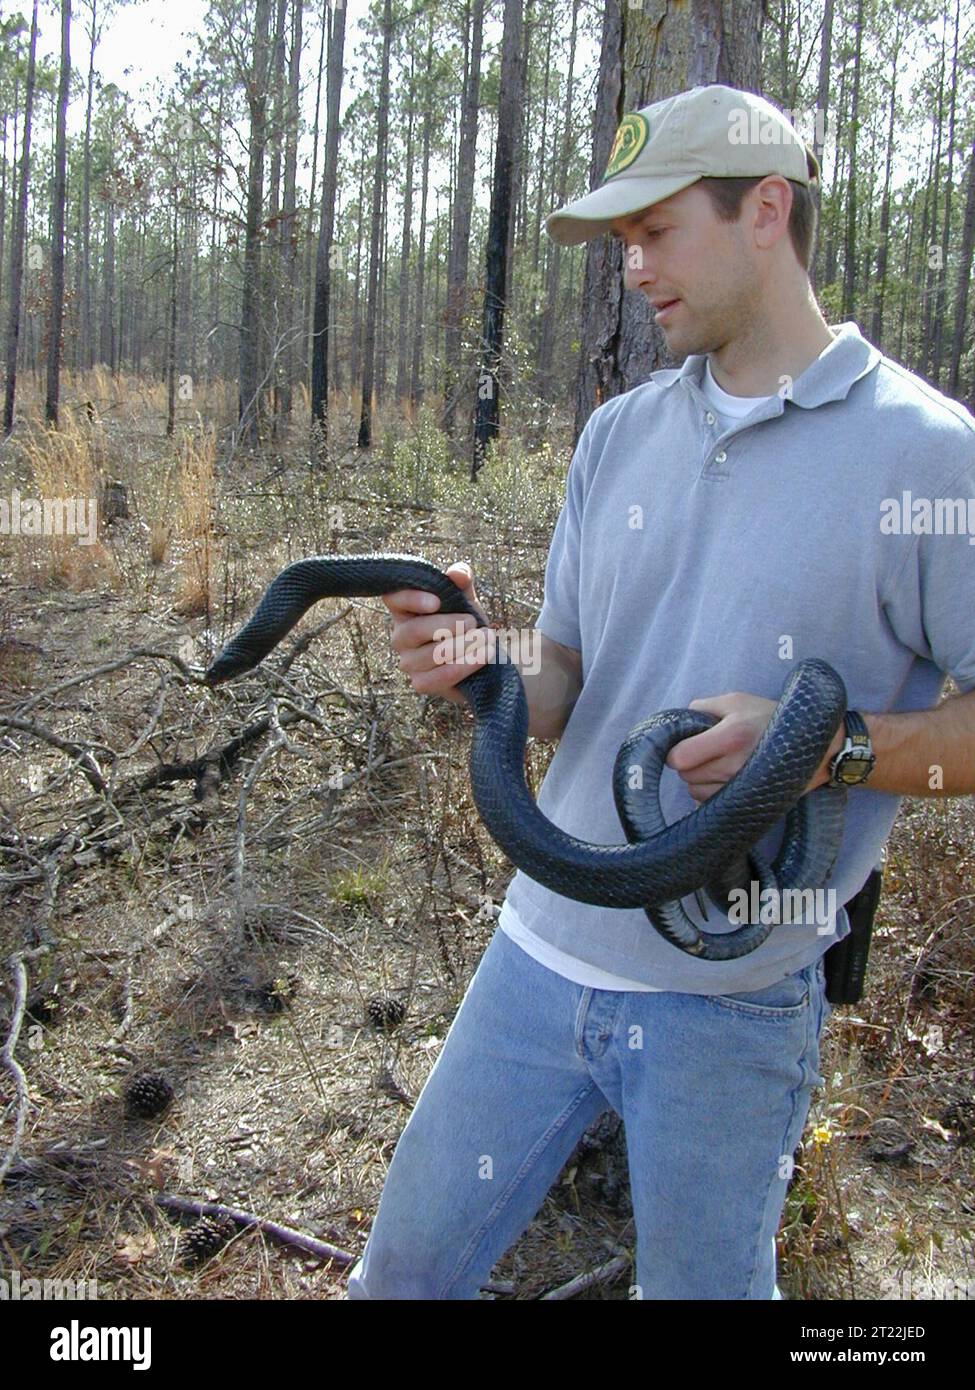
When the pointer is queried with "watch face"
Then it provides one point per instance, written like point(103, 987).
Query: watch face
point(855, 770)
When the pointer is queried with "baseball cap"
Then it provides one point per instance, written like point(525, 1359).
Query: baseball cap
point(705, 132)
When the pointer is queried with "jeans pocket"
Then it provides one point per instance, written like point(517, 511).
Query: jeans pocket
point(785, 999)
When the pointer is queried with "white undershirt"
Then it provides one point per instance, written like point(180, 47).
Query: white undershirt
point(729, 407)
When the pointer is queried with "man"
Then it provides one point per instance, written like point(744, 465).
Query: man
point(722, 521)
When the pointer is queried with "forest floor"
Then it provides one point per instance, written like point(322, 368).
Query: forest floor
point(226, 925)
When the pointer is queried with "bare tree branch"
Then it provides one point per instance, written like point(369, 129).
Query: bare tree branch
point(287, 1235)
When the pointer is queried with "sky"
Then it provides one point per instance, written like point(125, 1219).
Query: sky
point(144, 39)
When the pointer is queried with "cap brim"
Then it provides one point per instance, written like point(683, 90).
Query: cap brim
point(590, 216)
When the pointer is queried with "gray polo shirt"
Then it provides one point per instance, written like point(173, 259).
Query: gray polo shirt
point(693, 558)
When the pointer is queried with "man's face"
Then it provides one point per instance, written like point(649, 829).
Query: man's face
point(679, 250)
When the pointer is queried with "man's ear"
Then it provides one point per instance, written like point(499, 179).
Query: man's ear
point(773, 206)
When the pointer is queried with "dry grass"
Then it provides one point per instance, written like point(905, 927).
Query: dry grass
point(160, 508)
point(65, 486)
point(195, 524)
point(159, 537)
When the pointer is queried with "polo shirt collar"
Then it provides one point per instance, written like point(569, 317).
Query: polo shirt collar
point(848, 358)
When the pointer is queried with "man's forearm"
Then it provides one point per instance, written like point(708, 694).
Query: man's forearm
point(928, 752)
point(551, 688)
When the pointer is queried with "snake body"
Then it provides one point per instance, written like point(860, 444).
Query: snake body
point(710, 848)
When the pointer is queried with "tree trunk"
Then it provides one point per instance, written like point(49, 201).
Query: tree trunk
point(85, 355)
point(405, 278)
point(939, 309)
point(880, 279)
point(550, 313)
point(214, 356)
point(321, 324)
point(57, 219)
point(382, 320)
point(819, 130)
point(248, 405)
point(865, 260)
point(18, 238)
point(643, 61)
point(833, 221)
point(357, 315)
point(964, 276)
point(519, 179)
point(545, 142)
point(416, 373)
point(271, 268)
point(171, 334)
point(4, 162)
point(312, 242)
point(289, 223)
point(139, 316)
point(460, 238)
point(908, 251)
point(379, 178)
point(932, 271)
point(107, 331)
point(487, 414)
point(850, 242)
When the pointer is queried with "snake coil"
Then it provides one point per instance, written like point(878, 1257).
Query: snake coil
point(710, 848)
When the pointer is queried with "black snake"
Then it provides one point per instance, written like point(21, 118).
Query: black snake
point(710, 848)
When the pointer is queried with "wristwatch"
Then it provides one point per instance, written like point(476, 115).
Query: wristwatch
point(854, 763)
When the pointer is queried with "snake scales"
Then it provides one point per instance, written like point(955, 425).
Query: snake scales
point(710, 848)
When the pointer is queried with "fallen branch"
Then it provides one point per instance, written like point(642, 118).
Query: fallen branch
point(136, 655)
point(154, 718)
point(315, 929)
point(581, 1282)
point(7, 1059)
point(86, 762)
point(286, 1235)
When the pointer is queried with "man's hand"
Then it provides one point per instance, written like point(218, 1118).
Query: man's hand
point(929, 752)
point(708, 760)
point(422, 654)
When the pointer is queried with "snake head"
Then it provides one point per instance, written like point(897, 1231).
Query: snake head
point(231, 662)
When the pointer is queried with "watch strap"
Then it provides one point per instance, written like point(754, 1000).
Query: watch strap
point(857, 737)
point(855, 726)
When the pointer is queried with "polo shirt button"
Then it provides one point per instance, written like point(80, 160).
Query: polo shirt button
point(720, 458)
point(710, 418)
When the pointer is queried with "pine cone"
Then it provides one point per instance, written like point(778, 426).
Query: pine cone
point(385, 1011)
point(273, 996)
point(202, 1241)
point(148, 1095)
point(43, 1008)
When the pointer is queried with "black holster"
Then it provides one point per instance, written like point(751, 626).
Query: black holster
point(846, 961)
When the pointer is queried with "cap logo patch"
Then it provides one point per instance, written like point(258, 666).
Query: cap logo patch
point(630, 139)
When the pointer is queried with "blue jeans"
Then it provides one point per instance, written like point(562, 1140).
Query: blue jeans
point(713, 1091)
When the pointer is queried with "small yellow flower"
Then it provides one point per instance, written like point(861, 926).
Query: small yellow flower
point(822, 1134)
